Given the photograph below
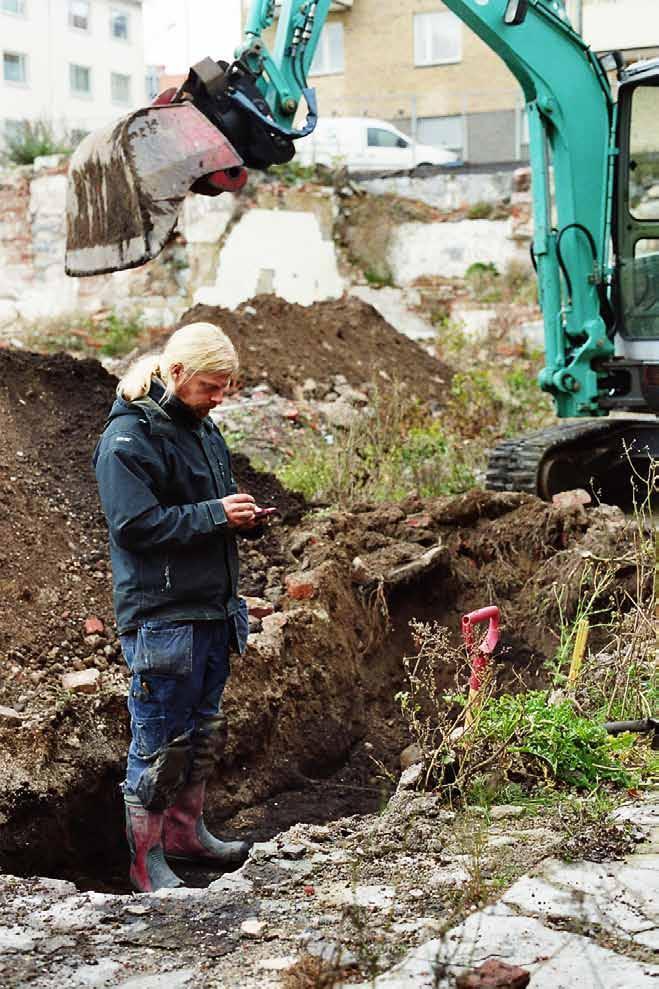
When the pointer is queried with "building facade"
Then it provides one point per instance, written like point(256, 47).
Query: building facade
point(415, 64)
point(74, 64)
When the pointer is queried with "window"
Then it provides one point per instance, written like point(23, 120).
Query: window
point(14, 130)
point(13, 7)
point(79, 14)
point(644, 154)
point(14, 67)
point(380, 138)
point(80, 77)
point(152, 82)
point(329, 53)
point(120, 88)
point(437, 38)
point(119, 25)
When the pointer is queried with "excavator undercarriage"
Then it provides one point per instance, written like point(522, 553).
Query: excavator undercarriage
point(609, 458)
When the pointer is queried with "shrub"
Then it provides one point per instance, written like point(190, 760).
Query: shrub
point(36, 138)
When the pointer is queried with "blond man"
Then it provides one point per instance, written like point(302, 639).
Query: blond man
point(173, 511)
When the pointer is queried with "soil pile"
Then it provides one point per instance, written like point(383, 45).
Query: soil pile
point(285, 344)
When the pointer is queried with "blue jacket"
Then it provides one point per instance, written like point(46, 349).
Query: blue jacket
point(161, 473)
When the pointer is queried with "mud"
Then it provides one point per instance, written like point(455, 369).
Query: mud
point(312, 710)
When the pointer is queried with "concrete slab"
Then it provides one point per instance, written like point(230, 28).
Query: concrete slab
point(556, 959)
point(392, 304)
point(448, 249)
point(275, 251)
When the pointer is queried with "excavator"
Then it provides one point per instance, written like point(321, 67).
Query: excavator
point(595, 187)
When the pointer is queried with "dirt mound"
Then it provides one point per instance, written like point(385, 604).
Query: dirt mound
point(285, 344)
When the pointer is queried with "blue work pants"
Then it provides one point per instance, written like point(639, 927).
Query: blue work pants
point(179, 670)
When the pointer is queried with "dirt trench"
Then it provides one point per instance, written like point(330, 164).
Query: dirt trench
point(311, 706)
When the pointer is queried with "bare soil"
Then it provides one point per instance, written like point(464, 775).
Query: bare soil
point(284, 344)
point(311, 706)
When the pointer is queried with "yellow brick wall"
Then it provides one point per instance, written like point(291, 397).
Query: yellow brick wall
point(380, 76)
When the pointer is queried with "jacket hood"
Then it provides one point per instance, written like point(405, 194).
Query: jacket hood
point(153, 408)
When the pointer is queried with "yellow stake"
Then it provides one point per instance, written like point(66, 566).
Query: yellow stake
point(580, 640)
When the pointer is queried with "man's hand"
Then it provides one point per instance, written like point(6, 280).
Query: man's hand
point(239, 509)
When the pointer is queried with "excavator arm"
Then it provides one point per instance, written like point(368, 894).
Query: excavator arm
point(571, 119)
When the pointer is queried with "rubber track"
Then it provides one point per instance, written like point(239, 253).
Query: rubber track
point(513, 465)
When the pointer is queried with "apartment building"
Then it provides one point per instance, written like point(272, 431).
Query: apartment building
point(414, 63)
point(78, 64)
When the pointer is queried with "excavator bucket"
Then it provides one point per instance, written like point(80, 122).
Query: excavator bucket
point(127, 183)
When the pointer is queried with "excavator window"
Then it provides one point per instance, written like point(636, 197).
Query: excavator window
point(638, 247)
point(644, 154)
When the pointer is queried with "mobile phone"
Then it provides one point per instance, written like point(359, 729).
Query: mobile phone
point(265, 513)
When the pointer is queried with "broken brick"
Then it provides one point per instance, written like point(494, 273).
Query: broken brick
point(259, 607)
point(94, 626)
point(421, 520)
point(300, 586)
point(494, 974)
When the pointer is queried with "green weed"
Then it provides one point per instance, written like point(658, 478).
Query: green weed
point(34, 139)
point(117, 336)
point(393, 447)
point(378, 280)
point(480, 211)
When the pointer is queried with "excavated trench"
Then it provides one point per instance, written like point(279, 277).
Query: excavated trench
point(311, 707)
point(78, 835)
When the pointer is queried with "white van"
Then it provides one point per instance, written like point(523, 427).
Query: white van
point(364, 144)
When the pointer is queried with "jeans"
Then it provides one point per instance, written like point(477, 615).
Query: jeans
point(179, 670)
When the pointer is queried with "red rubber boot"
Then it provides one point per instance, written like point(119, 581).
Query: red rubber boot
point(186, 838)
point(148, 869)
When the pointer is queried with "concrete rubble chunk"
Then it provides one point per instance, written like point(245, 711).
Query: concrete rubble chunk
point(576, 498)
point(163, 980)
point(281, 964)
point(252, 928)
point(410, 777)
point(263, 850)
point(503, 811)
point(15, 939)
point(614, 895)
point(332, 953)
point(81, 682)
point(9, 714)
point(293, 851)
point(232, 882)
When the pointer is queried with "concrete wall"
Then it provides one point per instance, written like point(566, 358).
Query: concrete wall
point(273, 238)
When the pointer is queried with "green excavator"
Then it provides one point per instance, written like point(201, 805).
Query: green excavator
point(595, 185)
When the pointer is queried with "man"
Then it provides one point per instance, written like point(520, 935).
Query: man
point(173, 511)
